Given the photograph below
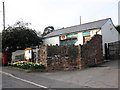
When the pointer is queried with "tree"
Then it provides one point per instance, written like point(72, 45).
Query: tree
point(39, 34)
point(118, 28)
point(19, 36)
point(48, 30)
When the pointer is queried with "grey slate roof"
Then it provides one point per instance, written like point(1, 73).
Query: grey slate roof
point(78, 28)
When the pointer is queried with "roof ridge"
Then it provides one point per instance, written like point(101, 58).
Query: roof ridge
point(95, 21)
point(83, 24)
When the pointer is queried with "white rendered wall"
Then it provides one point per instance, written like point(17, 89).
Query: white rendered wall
point(109, 33)
point(80, 39)
point(93, 32)
point(51, 41)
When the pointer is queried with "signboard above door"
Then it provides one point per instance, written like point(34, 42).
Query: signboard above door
point(69, 36)
point(86, 34)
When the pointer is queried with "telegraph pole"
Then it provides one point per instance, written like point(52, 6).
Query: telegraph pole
point(3, 16)
point(119, 13)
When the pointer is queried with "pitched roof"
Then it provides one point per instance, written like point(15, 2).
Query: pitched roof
point(78, 28)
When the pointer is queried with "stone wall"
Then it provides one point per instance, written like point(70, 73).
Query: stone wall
point(91, 52)
point(60, 57)
point(43, 55)
point(72, 57)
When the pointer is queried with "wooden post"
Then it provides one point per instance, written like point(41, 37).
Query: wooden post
point(106, 51)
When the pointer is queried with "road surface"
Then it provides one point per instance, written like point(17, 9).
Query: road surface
point(104, 76)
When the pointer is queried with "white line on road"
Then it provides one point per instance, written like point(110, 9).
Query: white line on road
point(24, 80)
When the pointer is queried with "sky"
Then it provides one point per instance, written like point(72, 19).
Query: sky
point(57, 13)
point(119, 13)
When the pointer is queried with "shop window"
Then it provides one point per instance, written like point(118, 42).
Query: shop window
point(68, 42)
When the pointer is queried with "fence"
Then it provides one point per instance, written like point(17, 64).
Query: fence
point(114, 50)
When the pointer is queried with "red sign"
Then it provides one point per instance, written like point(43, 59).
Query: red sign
point(69, 36)
point(63, 37)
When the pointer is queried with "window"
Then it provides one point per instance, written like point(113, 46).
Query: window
point(68, 42)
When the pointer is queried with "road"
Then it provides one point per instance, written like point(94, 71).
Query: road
point(104, 76)
point(10, 82)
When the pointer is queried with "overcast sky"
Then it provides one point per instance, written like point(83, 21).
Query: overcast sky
point(58, 13)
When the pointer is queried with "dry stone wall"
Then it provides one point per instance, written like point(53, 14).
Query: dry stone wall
point(72, 57)
point(60, 57)
point(91, 52)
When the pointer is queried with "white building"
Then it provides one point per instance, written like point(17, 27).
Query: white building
point(79, 34)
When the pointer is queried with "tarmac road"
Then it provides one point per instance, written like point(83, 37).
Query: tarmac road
point(10, 82)
point(104, 76)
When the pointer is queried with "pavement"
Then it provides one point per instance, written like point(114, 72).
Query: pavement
point(102, 76)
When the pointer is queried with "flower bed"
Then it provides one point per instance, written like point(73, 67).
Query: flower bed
point(28, 65)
